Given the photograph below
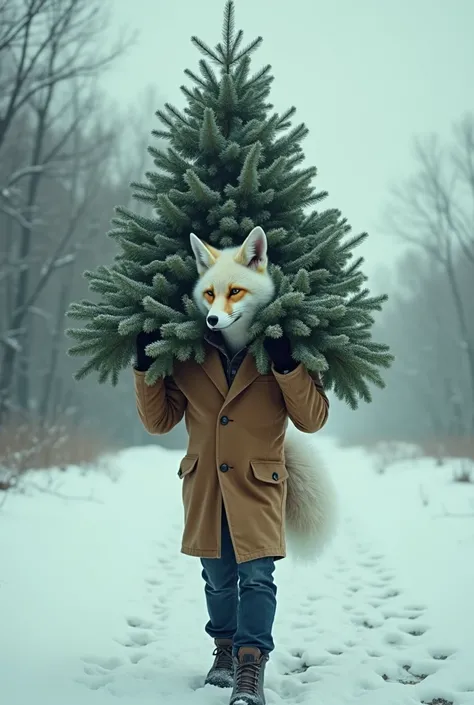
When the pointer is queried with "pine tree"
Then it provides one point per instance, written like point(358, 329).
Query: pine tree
point(231, 163)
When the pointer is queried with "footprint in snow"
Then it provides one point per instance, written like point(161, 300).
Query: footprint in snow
point(368, 622)
point(137, 656)
point(98, 672)
point(380, 636)
point(98, 664)
point(138, 622)
point(414, 629)
point(136, 638)
point(440, 654)
point(95, 682)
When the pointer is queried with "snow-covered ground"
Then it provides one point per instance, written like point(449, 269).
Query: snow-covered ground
point(98, 606)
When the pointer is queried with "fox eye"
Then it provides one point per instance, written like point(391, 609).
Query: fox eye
point(209, 292)
point(234, 292)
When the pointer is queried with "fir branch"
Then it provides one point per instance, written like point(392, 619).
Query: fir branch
point(290, 141)
point(211, 139)
point(236, 43)
point(241, 72)
point(131, 325)
point(162, 134)
point(301, 281)
point(284, 120)
point(178, 115)
point(193, 96)
point(249, 49)
point(161, 311)
point(165, 119)
point(228, 31)
point(206, 50)
point(196, 79)
point(248, 177)
point(134, 289)
point(228, 98)
point(209, 74)
point(201, 192)
point(259, 77)
point(175, 216)
point(353, 242)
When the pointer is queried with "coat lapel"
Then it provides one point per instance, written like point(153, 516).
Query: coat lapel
point(212, 366)
point(246, 374)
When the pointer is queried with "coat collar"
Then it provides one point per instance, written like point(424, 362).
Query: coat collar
point(212, 366)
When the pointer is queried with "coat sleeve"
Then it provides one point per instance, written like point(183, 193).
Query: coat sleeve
point(305, 399)
point(160, 406)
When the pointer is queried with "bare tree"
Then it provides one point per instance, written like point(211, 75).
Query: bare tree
point(90, 159)
point(52, 45)
point(435, 211)
point(429, 350)
point(45, 43)
point(66, 159)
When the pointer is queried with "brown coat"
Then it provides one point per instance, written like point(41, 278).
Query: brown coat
point(235, 452)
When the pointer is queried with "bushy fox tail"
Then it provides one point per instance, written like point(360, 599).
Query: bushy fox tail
point(311, 500)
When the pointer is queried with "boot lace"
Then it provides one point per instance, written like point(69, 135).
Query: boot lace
point(246, 677)
point(223, 658)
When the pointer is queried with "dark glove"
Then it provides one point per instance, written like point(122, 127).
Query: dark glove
point(279, 352)
point(143, 361)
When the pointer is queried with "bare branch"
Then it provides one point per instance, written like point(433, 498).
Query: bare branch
point(51, 44)
point(61, 46)
point(431, 210)
point(10, 342)
point(15, 215)
point(11, 30)
point(434, 210)
point(23, 173)
point(57, 493)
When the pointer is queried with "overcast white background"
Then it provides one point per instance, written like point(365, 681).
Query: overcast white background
point(365, 76)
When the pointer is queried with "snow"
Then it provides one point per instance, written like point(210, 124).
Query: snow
point(98, 606)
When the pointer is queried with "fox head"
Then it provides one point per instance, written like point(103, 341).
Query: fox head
point(233, 283)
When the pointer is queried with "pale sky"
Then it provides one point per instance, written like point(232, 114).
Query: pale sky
point(366, 76)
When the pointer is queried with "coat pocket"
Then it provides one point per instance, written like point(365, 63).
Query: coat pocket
point(187, 465)
point(272, 472)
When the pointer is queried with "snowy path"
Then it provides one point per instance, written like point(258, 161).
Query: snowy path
point(386, 617)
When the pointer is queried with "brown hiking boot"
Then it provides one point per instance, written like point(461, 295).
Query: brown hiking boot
point(222, 670)
point(249, 675)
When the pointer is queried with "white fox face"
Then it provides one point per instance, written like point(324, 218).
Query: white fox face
point(233, 283)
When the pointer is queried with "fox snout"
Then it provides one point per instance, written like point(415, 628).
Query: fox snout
point(220, 321)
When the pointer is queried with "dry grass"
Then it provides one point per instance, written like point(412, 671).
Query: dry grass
point(26, 447)
point(388, 452)
point(449, 448)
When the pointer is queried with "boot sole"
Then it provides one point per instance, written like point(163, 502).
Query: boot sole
point(247, 700)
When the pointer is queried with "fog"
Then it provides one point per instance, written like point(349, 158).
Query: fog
point(368, 78)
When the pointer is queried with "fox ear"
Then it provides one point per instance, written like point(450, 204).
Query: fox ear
point(253, 252)
point(205, 255)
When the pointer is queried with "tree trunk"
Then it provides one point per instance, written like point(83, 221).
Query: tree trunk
point(464, 330)
point(18, 313)
point(56, 347)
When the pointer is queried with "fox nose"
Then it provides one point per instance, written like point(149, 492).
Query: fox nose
point(212, 321)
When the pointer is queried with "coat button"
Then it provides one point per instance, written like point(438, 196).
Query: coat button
point(224, 420)
point(224, 467)
point(275, 476)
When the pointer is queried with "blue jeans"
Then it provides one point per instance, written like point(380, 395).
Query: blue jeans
point(241, 598)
